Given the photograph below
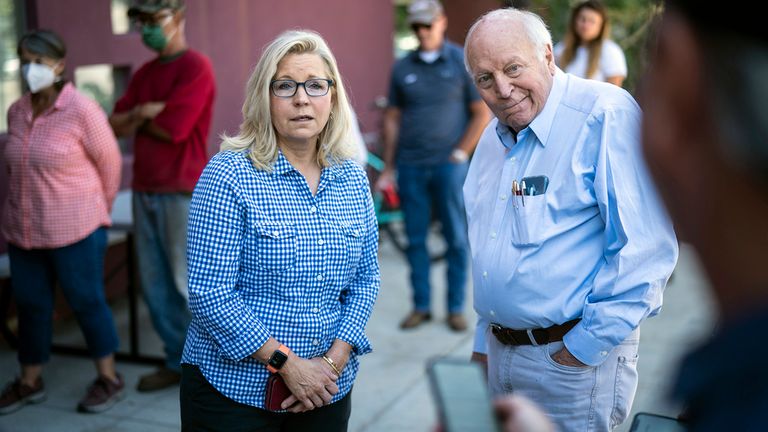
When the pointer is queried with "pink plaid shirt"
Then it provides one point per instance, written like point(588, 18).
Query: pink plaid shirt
point(63, 172)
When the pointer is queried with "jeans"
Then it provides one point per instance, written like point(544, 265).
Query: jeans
point(203, 408)
point(420, 187)
point(79, 269)
point(579, 399)
point(160, 224)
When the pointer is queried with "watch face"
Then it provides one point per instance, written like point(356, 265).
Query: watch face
point(278, 359)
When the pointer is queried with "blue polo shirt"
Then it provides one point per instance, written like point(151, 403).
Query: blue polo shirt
point(434, 100)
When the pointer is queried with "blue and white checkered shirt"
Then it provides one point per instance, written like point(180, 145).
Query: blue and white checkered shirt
point(268, 259)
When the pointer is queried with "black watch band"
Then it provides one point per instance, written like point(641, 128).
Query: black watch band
point(277, 359)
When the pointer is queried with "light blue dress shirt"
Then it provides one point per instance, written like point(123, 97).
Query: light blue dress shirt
point(597, 244)
point(268, 258)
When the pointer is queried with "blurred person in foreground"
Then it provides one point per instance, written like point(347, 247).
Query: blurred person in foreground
point(706, 142)
point(571, 247)
point(587, 50)
point(431, 126)
point(63, 165)
point(167, 108)
point(282, 251)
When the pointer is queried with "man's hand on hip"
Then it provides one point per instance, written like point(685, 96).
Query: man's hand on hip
point(565, 358)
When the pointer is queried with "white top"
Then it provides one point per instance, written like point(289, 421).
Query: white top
point(612, 61)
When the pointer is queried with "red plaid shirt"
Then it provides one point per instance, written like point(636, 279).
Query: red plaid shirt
point(63, 172)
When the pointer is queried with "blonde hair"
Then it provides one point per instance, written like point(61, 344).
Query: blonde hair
point(257, 135)
point(572, 41)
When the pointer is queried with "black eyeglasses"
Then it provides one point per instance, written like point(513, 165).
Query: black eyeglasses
point(314, 87)
point(418, 26)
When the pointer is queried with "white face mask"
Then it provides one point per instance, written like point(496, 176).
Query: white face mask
point(38, 76)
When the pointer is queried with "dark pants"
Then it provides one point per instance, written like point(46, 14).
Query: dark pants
point(79, 269)
point(203, 408)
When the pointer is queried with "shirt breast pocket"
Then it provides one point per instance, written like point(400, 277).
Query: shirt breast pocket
point(353, 236)
point(530, 222)
point(276, 246)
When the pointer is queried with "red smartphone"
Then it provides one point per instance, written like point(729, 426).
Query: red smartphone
point(277, 392)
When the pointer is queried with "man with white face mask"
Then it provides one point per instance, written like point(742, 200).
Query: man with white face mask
point(167, 108)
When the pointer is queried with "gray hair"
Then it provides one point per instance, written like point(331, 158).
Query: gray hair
point(534, 27)
point(257, 135)
point(739, 90)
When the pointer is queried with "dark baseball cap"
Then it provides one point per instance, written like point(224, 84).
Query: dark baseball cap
point(153, 6)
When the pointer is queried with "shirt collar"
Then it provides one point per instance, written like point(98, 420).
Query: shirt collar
point(542, 123)
point(65, 97)
point(443, 54)
point(62, 101)
point(282, 166)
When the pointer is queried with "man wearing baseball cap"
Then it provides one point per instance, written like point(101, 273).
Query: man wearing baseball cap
point(432, 124)
point(167, 109)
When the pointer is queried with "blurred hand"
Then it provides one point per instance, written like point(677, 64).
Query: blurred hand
point(386, 180)
point(150, 110)
point(518, 414)
point(482, 359)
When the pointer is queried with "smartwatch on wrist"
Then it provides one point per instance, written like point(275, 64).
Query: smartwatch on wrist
point(278, 358)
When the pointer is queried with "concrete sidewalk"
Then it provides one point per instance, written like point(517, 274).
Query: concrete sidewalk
point(391, 392)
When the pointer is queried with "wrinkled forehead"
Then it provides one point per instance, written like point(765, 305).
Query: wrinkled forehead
point(497, 43)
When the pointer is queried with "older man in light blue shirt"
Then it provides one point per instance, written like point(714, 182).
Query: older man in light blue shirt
point(571, 248)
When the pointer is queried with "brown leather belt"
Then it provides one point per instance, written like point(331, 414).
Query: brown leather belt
point(537, 336)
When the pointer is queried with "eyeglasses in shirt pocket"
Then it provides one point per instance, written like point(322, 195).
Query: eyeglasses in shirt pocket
point(276, 246)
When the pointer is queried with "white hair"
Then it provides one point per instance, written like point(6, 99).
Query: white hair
point(533, 25)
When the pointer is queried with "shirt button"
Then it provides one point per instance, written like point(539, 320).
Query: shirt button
point(315, 342)
point(312, 209)
point(276, 233)
point(513, 159)
point(321, 242)
point(493, 313)
point(485, 275)
point(315, 310)
point(319, 277)
point(503, 197)
point(493, 235)
point(603, 353)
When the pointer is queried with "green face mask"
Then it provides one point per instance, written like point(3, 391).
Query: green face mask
point(153, 37)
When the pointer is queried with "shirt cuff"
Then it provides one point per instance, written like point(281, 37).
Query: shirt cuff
point(481, 334)
point(245, 345)
point(360, 344)
point(587, 348)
